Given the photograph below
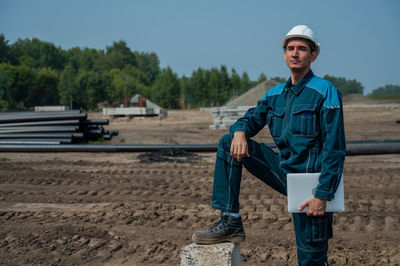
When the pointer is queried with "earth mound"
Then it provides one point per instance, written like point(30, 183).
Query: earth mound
point(253, 95)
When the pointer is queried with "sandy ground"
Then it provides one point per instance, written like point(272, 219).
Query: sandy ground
point(108, 208)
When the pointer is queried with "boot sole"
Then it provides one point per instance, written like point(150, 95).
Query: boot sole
point(230, 238)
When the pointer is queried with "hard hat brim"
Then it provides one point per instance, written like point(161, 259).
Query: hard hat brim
point(301, 37)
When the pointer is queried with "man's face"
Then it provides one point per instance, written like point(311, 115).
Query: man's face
point(298, 55)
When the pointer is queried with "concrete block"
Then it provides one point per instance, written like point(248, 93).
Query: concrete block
point(51, 108)
point(226, 254)
point(135, 111)
point(128, 111)
point(224, 117)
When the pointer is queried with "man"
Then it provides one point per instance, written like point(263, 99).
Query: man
point(305, 118)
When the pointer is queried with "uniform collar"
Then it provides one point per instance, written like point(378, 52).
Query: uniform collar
point(300, 85)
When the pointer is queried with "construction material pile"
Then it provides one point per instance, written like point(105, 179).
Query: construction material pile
point(224, 117)
point(54, 127)
point(227, 115)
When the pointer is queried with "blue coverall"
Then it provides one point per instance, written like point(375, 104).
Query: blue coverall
point(306, 123)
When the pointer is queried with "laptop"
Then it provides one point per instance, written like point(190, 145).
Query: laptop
point(301, 187)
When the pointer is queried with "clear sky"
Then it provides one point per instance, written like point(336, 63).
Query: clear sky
point(359, 39)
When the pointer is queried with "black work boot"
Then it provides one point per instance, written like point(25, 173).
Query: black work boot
point(228, 229)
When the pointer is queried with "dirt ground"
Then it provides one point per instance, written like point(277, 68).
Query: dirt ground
point(110, 209)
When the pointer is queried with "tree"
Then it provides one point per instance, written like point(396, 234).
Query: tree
point(149, 64)
point(86, 59)
point(37, 54)
point(262, 77)
point(92, 87)
point(141, 80)
point(67, 87)
point(346, 86)
point(198, 82)
point(166, 90)
point(4, 49)
point(216, 87)
point(45, 91)
point(22, 79)
point(244, 83)
point(119, 55)
point(389, 89)
point(236, 82)
point(226, 90)
point(279, 79)
point(186, 93)
point(32, 69)
point(121, 86)
point(5, 100)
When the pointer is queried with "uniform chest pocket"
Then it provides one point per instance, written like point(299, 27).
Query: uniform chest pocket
point(275, 121)
point(304, 120)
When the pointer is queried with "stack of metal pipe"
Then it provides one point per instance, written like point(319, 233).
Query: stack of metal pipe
point(54, 127)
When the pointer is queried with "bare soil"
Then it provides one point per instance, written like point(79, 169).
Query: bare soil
point(110, 209)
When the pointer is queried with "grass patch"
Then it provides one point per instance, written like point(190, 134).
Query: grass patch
point(98, 141)
point(4, 159)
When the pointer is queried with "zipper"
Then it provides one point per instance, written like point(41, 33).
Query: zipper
point(289, 94)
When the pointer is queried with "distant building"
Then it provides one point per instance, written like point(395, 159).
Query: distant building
point(141, 101)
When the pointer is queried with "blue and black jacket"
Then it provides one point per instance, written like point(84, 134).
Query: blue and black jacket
point(306, 123)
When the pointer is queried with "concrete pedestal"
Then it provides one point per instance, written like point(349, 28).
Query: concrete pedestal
point(226, 254)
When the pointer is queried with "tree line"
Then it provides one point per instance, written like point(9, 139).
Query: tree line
point(35, 72)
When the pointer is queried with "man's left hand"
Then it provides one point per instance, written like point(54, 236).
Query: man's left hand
point(316, 206)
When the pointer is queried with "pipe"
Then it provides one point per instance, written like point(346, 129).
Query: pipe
point(352, 149)
point(9, 130)
point(372, 148)
point(48, 117)
point(36, 141)
point(29, 142)
point(41, 113)
point(105, 148)
point(42, 123)
point(41, 135)
point(372, 141)
point(96, 122)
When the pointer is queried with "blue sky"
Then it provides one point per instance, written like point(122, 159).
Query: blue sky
point(359, 39)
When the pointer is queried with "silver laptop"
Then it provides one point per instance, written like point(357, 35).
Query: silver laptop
point(301, 187)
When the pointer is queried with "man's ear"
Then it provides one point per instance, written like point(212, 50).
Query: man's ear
point(314, 56)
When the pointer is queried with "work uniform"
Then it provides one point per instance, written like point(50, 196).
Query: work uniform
point(306, 123)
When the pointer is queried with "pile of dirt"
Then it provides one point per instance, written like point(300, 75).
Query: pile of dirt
point(252, 96)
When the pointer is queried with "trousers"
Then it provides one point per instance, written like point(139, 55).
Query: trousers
point(312, 232)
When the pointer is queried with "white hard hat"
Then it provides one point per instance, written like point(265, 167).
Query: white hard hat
point(301, 31)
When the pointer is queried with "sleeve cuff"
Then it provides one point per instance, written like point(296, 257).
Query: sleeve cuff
point(233, 129)
point(324, 195)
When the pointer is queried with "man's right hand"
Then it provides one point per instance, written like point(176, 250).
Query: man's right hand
point(239, 148)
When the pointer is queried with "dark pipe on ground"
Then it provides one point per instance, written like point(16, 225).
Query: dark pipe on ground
point(43, 123)
point(96, 122)
point(368, 148)
point(37, 141)
point(48, 129)
point(41, 135)
point(44, 117)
